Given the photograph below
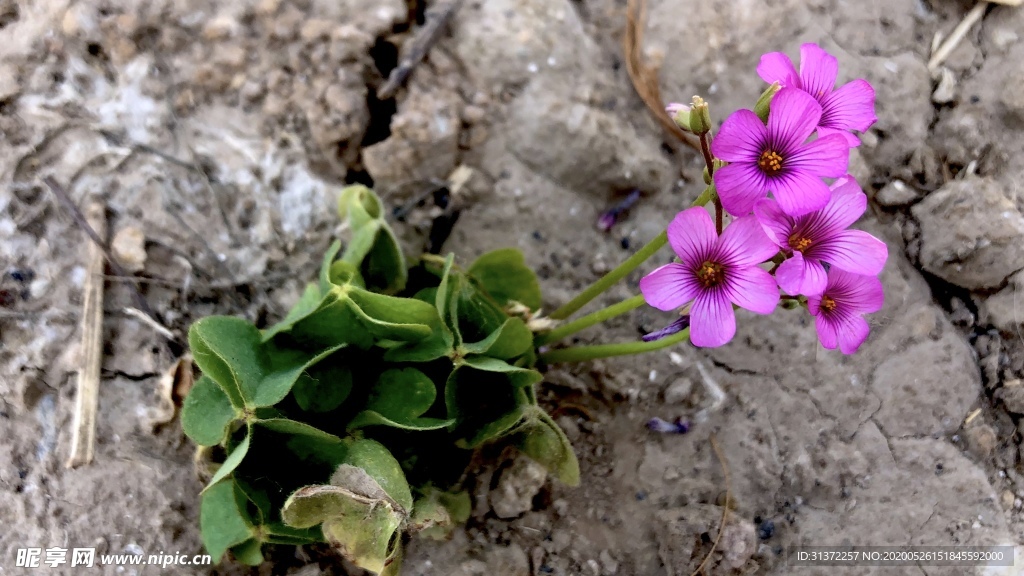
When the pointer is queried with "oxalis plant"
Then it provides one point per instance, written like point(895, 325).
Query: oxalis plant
point(352, 421)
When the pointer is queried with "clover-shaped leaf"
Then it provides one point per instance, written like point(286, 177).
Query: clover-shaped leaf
point(373, 249)
point(323, 388)
point(361, 510)
point(542, 440)
point(519, 377)
point(512, 339)
point(505, 276)
point(232, 461)
point(249, 552)
point(252, 373)
point(399, 399)
point(484, 403)
point(393, 318)
point(207, 412)
point(223, 520)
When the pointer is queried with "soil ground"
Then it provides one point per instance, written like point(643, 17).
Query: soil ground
point(224, 131)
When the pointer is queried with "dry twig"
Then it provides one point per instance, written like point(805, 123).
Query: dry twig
point(83, 432)
point(644, 77)
point(958, 34)
point(725, 509)
point(417, 48)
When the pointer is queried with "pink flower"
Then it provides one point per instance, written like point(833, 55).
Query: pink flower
point(838, 310)
point(822, 236)
point(715, 273)
point(776, 158)
point(851, 107)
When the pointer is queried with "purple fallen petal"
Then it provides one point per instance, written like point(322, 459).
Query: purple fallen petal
point(664, 426)
point(853, 251)
point(712, 320)
point(692, 235)
point(793, 117)
point(744, 243)
point(851, 107)
point(742, 137)
point(680, 324)
point(777, 67)
point(740, 186)
point(669, 287)
point(818, 70)
point(753, 289)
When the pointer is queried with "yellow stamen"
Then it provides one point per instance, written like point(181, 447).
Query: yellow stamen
point(770, 162)
point(710, 274)
point(799, 243)
point(828, 304)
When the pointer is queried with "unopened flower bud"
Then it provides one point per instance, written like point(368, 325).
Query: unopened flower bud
point(680, 114)
point(764, 102)
point(700, 117)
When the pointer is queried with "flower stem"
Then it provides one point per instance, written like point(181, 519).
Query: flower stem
point(582, 353)
point(591, 319)
point(609, 279)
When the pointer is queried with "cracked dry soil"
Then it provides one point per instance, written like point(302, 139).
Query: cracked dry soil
point(224, 131)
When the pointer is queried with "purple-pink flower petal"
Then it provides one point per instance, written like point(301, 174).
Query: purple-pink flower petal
point(851, 107)
point(777, 67)
point(739, 186)
point(851, 138)
point(800, 192)
point(670, 286)
point(799, 275)
point(741, 137)
point(818, 70)
point(753, 289)
point(853, 251)
point(839, 308)
point(712, 320)
point(692, 235)
point(845, 207)
point(743, 244)
point(828, 157)
point(777, 224)
point(792, 118)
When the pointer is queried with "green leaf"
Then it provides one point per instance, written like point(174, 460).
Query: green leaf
point(393, 318)
point(362, 528)
point(542, 440)
point(286, 426)
point(280, 533)
point(505, 276)
point(334, 322)
point(484, 404)
point(399, 398)
point(373, 249)
point(358, 205)
point(253, 374)
point(376, 463)
point(207, 412)
point(323, 389)
point(307, 303)
point(222, 519)
point(248, 553)
point(232, 461)
point(446, 304)
point(512, 339)
point(325, 267)
point(519, 377)
point(223, 349)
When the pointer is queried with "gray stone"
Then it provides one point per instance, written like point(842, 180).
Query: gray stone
point(972, 235)
point(896, 193)
point(518, 485)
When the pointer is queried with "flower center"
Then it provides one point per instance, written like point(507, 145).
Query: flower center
point(770, 162)
point(828, 304)
point(710, 274)
point(799, 243)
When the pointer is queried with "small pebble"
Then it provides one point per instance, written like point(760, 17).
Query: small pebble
point(766, 530)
